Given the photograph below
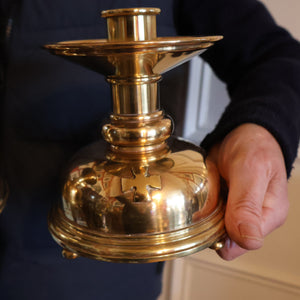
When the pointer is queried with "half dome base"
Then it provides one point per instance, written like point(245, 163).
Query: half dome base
point(136, 248)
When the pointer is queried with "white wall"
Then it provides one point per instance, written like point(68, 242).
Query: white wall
point(286, 13)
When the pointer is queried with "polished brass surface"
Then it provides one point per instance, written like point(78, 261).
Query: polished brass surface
point(218, 245)
point(143, 196)
point(68, 254)
point(139, 212)
point(133, 68)
point(141, 132)
point(3, 194)
point(136, 24)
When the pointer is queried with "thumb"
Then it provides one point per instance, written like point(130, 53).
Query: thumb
point(244, 215)
point(251, 162)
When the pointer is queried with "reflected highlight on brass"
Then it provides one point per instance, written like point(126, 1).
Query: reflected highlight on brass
point(143, 196)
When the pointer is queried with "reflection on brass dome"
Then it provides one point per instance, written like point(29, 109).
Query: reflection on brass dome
point(143, 196)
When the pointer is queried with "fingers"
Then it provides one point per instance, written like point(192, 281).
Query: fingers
point(274, 213)
point(276, 204)
point(231, 250)
point(251, 162)
point(243, 215)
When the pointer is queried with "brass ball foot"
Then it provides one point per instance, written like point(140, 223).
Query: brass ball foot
point(69, 254)
point(218, 245)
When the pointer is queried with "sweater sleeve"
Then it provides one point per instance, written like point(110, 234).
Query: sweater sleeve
point(258, 60)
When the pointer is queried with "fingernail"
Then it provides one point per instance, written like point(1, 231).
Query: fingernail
point(250, 231)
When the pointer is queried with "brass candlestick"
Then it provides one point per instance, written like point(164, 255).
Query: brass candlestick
point(148, 197)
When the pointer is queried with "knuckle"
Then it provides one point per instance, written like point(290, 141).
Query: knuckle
point(248, 205)
point(255, 163)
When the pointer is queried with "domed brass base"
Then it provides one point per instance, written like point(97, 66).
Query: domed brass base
point(138, 248)
point(139, 211)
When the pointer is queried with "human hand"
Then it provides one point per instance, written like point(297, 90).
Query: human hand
point(251, 162)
